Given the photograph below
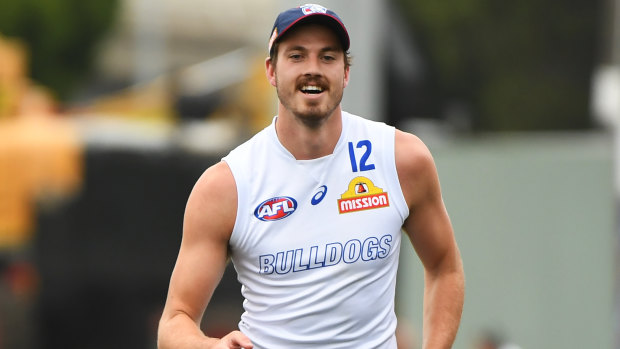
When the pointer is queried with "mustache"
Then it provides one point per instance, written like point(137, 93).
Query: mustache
point(312, 81)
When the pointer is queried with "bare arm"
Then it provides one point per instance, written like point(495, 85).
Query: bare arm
point(432, 236)
point(209, 220)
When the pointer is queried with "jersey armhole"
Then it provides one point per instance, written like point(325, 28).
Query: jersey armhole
point(239, 184)
point(390, 163)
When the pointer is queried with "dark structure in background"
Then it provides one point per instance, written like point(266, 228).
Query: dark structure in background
point(105, 258)
point(502, 66)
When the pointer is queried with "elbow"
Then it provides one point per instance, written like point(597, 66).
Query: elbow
point(161, 337)
point(164, 330)
point(448, 269)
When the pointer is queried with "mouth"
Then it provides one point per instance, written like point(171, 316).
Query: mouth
point(311, 89)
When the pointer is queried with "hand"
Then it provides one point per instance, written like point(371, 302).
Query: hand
point(234, 340)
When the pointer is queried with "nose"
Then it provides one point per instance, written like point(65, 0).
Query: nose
point(313, 67)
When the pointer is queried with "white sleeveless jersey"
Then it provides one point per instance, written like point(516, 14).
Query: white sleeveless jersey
point(316, 242)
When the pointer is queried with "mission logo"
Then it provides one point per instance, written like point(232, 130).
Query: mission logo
point(362, 194)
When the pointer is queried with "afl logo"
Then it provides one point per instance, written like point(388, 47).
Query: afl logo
point(275, 208)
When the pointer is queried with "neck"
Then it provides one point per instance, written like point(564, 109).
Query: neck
point(306, 141)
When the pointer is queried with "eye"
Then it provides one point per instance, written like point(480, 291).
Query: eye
point(329, 58)
point(295, 56)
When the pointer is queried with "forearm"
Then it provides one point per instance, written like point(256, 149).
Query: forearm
point(443, 304)
point(179, 331)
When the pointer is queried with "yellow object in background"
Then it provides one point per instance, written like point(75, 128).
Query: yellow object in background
point(40, 158)
point(13, 79)
point(40, 151)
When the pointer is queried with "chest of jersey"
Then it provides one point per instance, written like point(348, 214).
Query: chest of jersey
point(316, 242)
point(313, 215)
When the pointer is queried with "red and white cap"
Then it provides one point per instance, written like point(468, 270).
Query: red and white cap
point(309, 13)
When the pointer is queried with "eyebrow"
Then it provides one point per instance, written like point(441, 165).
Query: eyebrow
point(302, 48)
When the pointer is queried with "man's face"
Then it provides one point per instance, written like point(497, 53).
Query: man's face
point(310, 73)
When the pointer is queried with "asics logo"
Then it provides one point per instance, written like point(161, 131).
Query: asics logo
point(318, 197)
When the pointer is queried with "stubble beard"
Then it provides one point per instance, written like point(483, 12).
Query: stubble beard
point(313, 115)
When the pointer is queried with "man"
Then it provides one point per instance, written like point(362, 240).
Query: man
point(310, 212)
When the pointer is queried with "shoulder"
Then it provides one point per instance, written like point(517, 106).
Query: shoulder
point(415, 166)
point(411, 151)
point(216, 180)
point(212, 203)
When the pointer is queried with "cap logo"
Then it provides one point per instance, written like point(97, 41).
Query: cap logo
point(312, 8)
point(274, 35)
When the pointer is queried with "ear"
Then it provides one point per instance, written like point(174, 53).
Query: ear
point(347, 70)
point(270, 71)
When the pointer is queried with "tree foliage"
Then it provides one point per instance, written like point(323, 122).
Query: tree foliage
point(520, 65)
point(60, 35)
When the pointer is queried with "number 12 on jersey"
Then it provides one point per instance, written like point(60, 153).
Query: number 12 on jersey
point(363, 166)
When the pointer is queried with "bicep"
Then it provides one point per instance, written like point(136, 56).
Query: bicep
point(431, 234)
point(208, 222)
point(428, 225)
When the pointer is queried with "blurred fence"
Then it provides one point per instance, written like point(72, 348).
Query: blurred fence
point(105, 257)
point(535, 220)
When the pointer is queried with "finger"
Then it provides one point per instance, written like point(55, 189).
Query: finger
point(239, 340)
